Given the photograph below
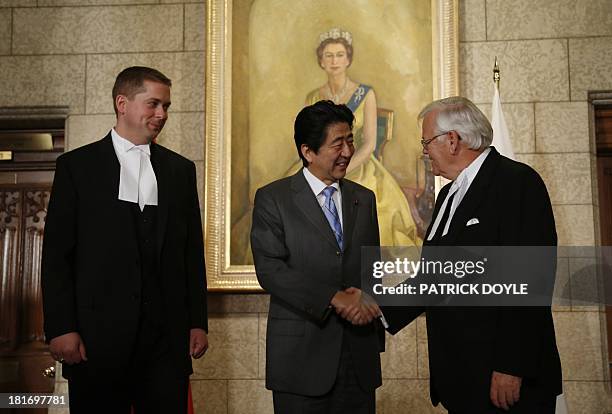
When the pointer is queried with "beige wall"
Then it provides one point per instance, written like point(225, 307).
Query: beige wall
point(68, 52)
point(551, 52)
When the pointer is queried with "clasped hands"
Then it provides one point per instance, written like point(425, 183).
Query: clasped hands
point(355, 306)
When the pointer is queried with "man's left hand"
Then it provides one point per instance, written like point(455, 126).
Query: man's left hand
point(198, 342)
point(505, 390)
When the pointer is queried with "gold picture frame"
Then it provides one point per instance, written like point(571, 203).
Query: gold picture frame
point(222, 275)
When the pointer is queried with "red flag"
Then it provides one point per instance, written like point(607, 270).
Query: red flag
point(189, 401)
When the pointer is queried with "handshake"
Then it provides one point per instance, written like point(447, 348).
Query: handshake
point(355, 306)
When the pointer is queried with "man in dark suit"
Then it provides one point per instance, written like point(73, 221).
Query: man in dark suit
point(123, 269)
point(307, 235)
point(485, 360)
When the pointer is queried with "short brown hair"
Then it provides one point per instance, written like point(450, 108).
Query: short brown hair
point(342, 41)
point(130, 81)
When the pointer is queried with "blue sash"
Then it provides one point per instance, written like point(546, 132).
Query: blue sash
point(358, 96)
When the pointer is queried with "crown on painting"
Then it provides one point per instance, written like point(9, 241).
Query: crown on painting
point(336, 33)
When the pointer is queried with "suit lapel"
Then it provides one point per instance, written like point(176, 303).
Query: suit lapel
point(307, 203)
point(111, 167)
point(162, 175)
point(474, 196)
point(350, 203)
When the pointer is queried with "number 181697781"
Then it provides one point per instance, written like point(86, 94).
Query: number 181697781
point(28, 400)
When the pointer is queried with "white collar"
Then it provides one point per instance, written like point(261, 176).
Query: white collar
point(137, 181)
point(471, 170)
point(123, 145)
point(316, 185)
point(459, 187)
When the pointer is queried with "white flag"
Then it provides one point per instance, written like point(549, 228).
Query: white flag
point(501, 136)
point(561, 407)
point(501, 142)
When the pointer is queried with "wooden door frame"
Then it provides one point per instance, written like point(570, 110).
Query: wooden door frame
point(599, 101)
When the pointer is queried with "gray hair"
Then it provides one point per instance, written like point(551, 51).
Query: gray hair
point(459, 114)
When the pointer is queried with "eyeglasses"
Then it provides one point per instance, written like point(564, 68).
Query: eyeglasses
point(425, 142)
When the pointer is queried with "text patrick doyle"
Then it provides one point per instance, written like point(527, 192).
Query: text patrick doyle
point(406, 269)
point(452, 289)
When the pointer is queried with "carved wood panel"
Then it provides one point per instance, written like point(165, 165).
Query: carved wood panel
point(10, 287)
point(22, 219)
point(35, 211)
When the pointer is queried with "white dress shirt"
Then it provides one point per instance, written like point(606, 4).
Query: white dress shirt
point(137, 181)
point(317, 186)
point(460, 186)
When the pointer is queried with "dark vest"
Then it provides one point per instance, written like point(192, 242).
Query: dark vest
point(145, 224)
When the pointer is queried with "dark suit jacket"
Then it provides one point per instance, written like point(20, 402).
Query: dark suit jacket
point(91, 274)
point(466, 344)
point(298, 261)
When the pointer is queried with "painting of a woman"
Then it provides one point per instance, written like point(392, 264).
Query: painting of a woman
point(261, 67)
point(335, 55)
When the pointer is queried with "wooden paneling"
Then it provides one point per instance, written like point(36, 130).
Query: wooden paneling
point(35, 210)
point(604, 179)
point(10, 279)
point(22, 220)
point(25, 185)
point(603, 139)
point(603, 129)
point(23, 353)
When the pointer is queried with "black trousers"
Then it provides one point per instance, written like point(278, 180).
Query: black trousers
point(150, 384)
point(345, 397)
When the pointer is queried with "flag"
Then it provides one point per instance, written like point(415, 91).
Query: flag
point(501, 136)
point(190, 401)
point(501, 142)
point(561, 407)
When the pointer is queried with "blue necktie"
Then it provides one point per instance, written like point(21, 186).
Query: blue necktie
point(331, 213)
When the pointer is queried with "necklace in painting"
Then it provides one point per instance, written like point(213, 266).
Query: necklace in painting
point(337, 96)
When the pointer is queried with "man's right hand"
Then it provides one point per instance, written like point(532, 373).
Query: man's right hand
point(68, 348)
point(352, 305)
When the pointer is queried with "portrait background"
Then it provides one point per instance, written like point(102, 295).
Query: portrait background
point(275, 66)
point(392, 53)
point(261, 63)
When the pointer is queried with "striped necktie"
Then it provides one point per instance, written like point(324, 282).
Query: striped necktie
point(331, 213)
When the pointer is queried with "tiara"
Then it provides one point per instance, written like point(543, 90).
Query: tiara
point(336, 33)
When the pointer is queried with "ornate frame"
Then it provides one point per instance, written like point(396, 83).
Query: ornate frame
point(220, 274)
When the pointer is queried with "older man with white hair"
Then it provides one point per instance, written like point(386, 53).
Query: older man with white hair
point(483, 359)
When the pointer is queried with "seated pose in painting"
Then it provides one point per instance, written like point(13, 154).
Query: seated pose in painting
point(335, 55)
